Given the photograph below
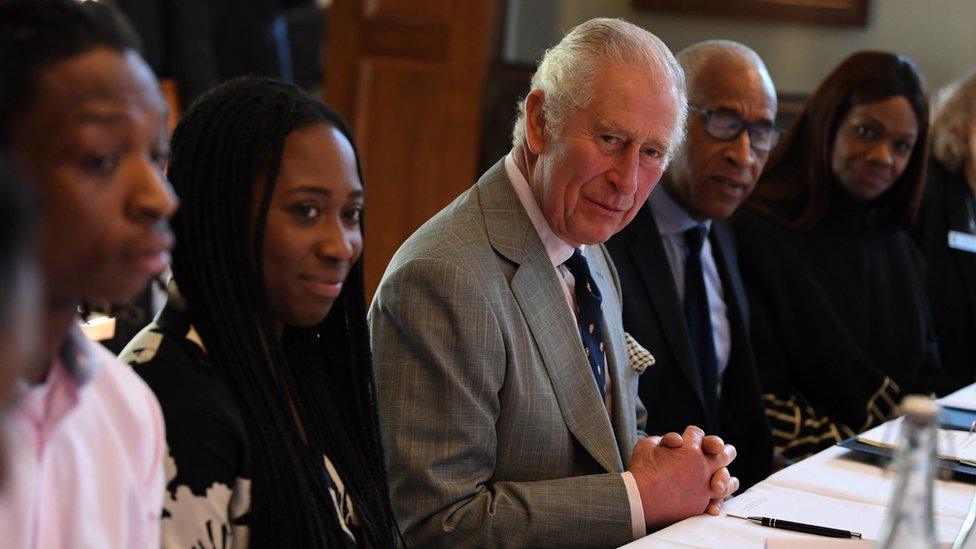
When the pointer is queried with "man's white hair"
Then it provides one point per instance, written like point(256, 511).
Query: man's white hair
point(569, 70)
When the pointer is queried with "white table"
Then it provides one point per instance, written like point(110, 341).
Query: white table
point(829, 489)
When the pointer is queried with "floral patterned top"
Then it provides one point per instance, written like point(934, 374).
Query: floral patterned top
point(207, 498)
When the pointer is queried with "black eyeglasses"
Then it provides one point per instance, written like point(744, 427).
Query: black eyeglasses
point(727, 125)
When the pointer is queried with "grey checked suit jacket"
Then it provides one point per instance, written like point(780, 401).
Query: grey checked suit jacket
point(492, 424)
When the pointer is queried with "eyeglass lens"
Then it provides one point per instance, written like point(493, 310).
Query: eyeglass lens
point(728, 125)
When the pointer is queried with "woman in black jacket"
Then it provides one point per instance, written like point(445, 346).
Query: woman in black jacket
point(840, 320)
point(946, 229)
point(260, 358)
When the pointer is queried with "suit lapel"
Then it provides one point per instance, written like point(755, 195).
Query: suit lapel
point(648, 256)
point(538, 290)
point(738, 374)
point(723, 250)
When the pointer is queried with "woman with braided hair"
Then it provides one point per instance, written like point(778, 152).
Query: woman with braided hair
point(260, 357)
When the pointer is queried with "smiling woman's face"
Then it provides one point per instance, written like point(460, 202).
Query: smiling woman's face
point(874, 144)
point(312, 236)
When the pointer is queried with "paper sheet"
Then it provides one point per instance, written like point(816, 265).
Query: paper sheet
point(825, 543)
point(952, 445)
point(798, 506)
point(964, 398)
point(786, 504)
point(782, 503)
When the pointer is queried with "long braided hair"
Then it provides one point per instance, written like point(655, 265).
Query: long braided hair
point(311, 393)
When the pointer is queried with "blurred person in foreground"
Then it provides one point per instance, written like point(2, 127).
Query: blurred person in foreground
point(82, 119)
point(20, 294)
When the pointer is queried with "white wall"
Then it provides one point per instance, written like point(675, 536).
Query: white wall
point(940, 35)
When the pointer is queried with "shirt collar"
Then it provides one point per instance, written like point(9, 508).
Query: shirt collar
point(670, 217)
point(558, 249)
point(77, 355)
point(74, 365)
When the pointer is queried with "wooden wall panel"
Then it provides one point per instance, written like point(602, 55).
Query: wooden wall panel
point(431, 10)
point(409, 77)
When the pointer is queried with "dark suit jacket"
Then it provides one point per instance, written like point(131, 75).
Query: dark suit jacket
point(951, 274)
point(654, 316)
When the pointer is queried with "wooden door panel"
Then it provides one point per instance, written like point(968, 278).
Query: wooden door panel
point(439, 10)
point(409, 77)
point(397, 176)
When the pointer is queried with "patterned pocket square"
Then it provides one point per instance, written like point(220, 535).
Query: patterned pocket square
point(640, 358)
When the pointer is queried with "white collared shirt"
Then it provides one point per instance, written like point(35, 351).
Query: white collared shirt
point(672, 221)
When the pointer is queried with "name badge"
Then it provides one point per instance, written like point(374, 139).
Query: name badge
point(962, 241)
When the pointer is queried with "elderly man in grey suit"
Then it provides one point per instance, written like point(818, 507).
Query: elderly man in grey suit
point(508, 408)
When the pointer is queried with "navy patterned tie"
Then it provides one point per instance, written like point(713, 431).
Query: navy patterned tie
point(589, 313)
point(697, 315)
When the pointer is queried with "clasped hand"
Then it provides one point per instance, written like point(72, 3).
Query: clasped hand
point(679, 476)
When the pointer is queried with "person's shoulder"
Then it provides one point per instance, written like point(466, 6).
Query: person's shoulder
point(116, 376)
point(941, 184)
point(456, 236)
point(747, 216)
point(461, 216)
point(763, 244)
point(938, 174)
point(639, 227)
point(177, 369)
point(752, 226)
point(144, 346)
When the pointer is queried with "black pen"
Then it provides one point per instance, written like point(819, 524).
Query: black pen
point(800, 527)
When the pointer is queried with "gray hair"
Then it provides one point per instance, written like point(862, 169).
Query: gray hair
point(568, 71)
point(697, 56)
point(952, 122)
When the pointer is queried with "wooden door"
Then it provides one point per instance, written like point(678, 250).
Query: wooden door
point(408, 76)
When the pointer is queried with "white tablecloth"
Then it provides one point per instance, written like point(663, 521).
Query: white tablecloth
point(828, 489)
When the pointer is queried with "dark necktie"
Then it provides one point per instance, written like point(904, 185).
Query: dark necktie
point(697, 315)
point(589, 313)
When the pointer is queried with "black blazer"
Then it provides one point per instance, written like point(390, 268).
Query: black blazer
point(654, 316)
point(951, 274)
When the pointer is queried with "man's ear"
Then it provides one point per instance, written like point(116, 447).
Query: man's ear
point(535, 122)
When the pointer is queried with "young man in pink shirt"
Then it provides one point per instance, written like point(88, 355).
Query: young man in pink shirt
point(19, 292)
point(82, 118)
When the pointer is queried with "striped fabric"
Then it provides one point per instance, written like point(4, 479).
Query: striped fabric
point(799, 431)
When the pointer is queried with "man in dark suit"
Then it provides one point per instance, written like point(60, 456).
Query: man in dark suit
point(683, 295)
